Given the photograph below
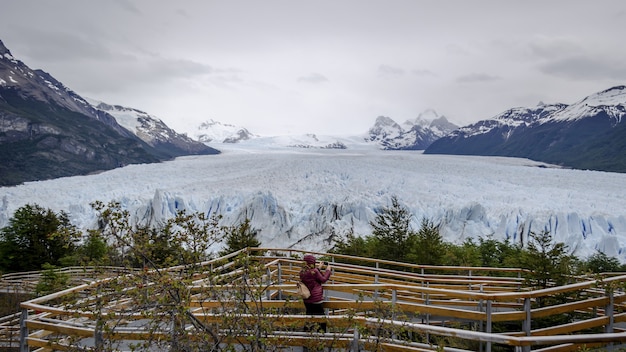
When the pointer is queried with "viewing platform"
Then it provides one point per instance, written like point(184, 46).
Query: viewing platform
point(249, 298)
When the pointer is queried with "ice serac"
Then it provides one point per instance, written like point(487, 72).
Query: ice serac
point(315, 225)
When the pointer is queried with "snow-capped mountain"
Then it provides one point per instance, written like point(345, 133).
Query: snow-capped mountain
point(589, 134)
point(16, 78)
point(216, 132)
point(47, 130)
point(151, 129)
point(506, 123)
point(611, 102)
point(415, 134)
point(305, 198)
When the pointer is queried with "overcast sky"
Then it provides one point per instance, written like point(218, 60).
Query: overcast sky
point(323, 66)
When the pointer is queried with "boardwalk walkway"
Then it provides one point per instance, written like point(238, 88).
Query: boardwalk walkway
point(370, 304)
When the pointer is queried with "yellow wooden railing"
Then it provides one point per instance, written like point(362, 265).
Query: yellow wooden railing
point(464, 304)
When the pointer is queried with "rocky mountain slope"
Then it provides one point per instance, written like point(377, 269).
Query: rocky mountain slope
point(152, 130)
point(589, 134)
point(49, 131)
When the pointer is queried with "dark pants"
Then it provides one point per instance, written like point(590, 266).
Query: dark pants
point(315, 309)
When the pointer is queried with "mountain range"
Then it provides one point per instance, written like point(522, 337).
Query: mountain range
point(417, 134)
point(589, 134)
point(48, 131)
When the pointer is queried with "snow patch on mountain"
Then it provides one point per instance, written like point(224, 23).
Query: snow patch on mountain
point(511, 119)
point(126, 117)
point(612, 101)
point(151, 129)
point(216, 132)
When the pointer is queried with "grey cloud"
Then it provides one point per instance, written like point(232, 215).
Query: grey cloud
point(313, 78)
point(58, 46)
point(553, 48)
point(387, 70)
point(183, 13)
point(585, 68)
point(477, 77)
point(424, 73)
point(455, 49)
point(134, 72)
point(128, 6)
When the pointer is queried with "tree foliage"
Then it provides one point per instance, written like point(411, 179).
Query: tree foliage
point(36, 236)
point(165, 296)
point(429, 247)
point(239, 237)
point(548, 261)
point(391, 232)
point(601, 263)
point(51, 280)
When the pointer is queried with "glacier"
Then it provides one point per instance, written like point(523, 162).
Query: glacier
point(306, 197)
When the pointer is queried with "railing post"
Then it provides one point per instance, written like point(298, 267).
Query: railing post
point(268, 294)
point(23, 331)
point(527, 321)
point(609, 313)
point(427, 302)
point(98, 338)
point(280, 280)
point(480, 322)
point(355, 340)
point(488, 327)
point(376, 282)
point(394, 301)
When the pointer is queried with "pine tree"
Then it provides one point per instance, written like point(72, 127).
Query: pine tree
point(239, 237)
point(392, 232)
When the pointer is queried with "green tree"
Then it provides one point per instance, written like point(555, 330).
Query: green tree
point(466, 254)
point(392, 232)
point(601, 263)
point(353, 245)
point(51, 280)
point(494, 253)
point(36, 236)
point(94, 249)
point(428, 246)
point(548, 261)
point(239, 237)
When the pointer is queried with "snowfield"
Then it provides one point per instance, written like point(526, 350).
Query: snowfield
point(300, 197)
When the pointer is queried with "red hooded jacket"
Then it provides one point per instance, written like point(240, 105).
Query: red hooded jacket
point(313, 278)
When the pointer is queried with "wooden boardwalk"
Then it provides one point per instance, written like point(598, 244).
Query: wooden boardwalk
point(466, 306)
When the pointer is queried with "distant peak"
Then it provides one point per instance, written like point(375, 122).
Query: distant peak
point(612, 96)
point(617, 90)
point(3, 49)
point(384, 120)
point(428, 114)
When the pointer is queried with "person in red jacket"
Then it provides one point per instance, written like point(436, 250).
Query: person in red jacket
point(313, 278)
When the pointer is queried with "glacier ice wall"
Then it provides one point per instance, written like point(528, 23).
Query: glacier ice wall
point(305, 198)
